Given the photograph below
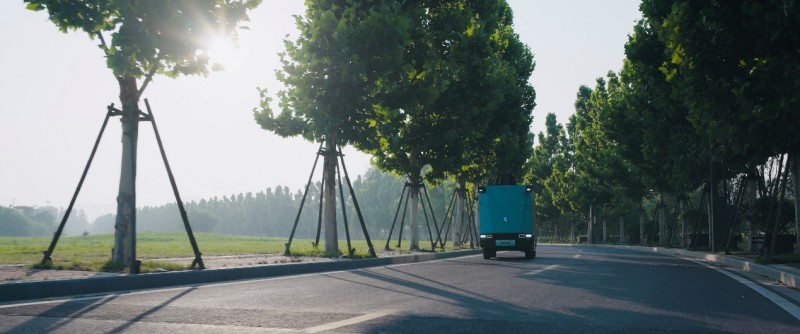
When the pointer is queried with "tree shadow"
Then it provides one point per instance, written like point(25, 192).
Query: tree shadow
point(50, 317)
point(141, 316)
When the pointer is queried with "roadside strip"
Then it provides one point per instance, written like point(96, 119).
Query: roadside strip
point(787, 276)
point(786, 305)
point(21, 291)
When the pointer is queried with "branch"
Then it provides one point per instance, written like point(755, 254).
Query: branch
point(150, 74)
point(103, 45)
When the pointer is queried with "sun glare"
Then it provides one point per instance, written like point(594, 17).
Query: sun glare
point(222, 51)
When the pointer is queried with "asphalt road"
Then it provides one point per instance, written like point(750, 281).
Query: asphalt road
point(565, 289)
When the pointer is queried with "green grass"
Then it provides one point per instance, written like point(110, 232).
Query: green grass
point(93, 252)
point(97, 248)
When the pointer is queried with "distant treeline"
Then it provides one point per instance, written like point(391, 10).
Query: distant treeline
point(28, 221)
point(266, 213)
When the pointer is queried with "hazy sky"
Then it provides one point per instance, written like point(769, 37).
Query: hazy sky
point(54, 89)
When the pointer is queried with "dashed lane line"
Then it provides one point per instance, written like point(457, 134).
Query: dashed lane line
point(550, 267)
point(348, 322)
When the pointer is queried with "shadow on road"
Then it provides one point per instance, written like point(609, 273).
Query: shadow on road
point(50, 317)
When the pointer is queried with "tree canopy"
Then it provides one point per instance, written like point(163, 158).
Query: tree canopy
point(149, 37)
point(332, 72)
point(736, 68)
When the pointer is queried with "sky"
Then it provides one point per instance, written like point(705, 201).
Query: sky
point(55, 87)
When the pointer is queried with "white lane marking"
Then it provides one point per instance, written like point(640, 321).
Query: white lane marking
point(786, 305)
point(576, 256)
point(347, 322)
point(550, 267)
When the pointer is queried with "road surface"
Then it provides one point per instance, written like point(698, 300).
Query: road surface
point(567, 289)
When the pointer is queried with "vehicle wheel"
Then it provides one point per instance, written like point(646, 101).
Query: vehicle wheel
point(529, 254)
point(487, 254)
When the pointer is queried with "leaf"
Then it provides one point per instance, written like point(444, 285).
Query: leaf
point(34, 6)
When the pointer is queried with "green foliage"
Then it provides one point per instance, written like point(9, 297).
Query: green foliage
point(398, 80)
point(735, 68)
point(580, 165)
point(485, 134)
point(548, 161)
point(165, 36)
point(602, 175)
point(14, 223)
point(38, 221)
point(651, 124)
point(333, 70)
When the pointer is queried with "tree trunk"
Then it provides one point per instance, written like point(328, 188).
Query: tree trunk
point(750, 200)
point(711, 201)
point(125, 226)
point(684, 209)
point(719, 221)
point(413, 224)
point(329, 217)
point(621, 230)
point(572, 231)
point(458, 218)
point(557, 235)
point(662, 224)
point(796, 191)
point(781, 198)
point(641, 228)
point(604, 231)
point(589, 227)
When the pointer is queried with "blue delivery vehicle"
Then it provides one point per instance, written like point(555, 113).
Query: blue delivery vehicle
point(506, 219)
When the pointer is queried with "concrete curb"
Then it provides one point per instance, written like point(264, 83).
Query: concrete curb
point(21, 291)
point(788, 276)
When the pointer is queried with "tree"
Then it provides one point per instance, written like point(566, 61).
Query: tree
point(541, 165)
point(602, 175)
point(735, 60)
point(332, 72)
point(13, 223)
point(462, 98)
point(651, 125)
point(147, 37)
point(734, 67)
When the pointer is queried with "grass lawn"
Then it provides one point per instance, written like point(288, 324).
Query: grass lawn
point(94, 251)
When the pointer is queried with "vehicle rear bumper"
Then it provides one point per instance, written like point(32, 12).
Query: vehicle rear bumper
point(508, 241)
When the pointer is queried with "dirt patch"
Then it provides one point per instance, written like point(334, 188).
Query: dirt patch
point(20, 273)
point(217, 262)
